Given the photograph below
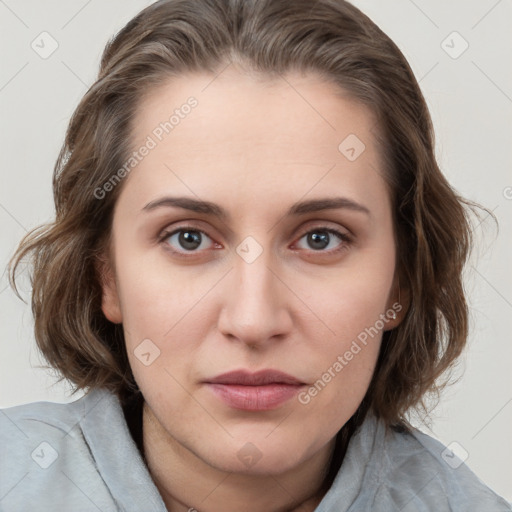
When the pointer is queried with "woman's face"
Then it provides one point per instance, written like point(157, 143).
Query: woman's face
point(264, 276)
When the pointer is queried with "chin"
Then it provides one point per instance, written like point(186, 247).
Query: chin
point(255, 458)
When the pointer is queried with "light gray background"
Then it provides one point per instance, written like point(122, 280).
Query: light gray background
point(470, 98)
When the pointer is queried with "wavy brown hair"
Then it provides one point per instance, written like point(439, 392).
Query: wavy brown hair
point(331, 38)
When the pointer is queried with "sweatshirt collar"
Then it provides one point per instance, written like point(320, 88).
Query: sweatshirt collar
point(117, 457)
point(121, 466)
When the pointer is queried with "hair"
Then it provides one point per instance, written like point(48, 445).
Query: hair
point(336, 41)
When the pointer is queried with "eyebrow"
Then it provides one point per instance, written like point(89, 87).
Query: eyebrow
point(299, 208)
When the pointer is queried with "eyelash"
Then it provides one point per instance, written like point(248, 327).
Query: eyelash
point(342, 236)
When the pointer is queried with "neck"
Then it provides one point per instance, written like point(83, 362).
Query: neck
point(188, 483)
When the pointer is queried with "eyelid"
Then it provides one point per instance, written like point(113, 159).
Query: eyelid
point(345, 237)
point(166, 233)
point(324, 225)
point(345, 241)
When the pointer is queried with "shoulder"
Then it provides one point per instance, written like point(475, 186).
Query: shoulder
point(58, 422)
point(386, 469)
point(420, 473)
point(46, 415)
point(45, 456)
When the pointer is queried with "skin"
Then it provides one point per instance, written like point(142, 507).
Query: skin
point(254, 147)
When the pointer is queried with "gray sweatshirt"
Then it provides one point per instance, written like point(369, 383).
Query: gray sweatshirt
point(81, 457)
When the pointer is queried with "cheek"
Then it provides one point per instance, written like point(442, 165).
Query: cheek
point(342, 360)
point(166, 316)
point(156, 299)
point(341, 370)
point(353, 300)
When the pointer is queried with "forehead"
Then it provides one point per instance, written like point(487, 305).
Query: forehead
point(254, 136)
point(237, 105)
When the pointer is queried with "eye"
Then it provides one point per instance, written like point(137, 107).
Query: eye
point(323, 238)
point(186, 239)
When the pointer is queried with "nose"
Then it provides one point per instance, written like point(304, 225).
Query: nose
point(255, 309)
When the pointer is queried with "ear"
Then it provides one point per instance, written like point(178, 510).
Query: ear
point(397, 304)
point(110, 304)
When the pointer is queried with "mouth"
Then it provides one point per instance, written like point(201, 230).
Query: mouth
point(261, 391)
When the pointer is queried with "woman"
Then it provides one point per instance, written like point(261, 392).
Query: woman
point(254, 273)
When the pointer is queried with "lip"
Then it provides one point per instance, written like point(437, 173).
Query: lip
point(260, 378)
point(260, 391)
